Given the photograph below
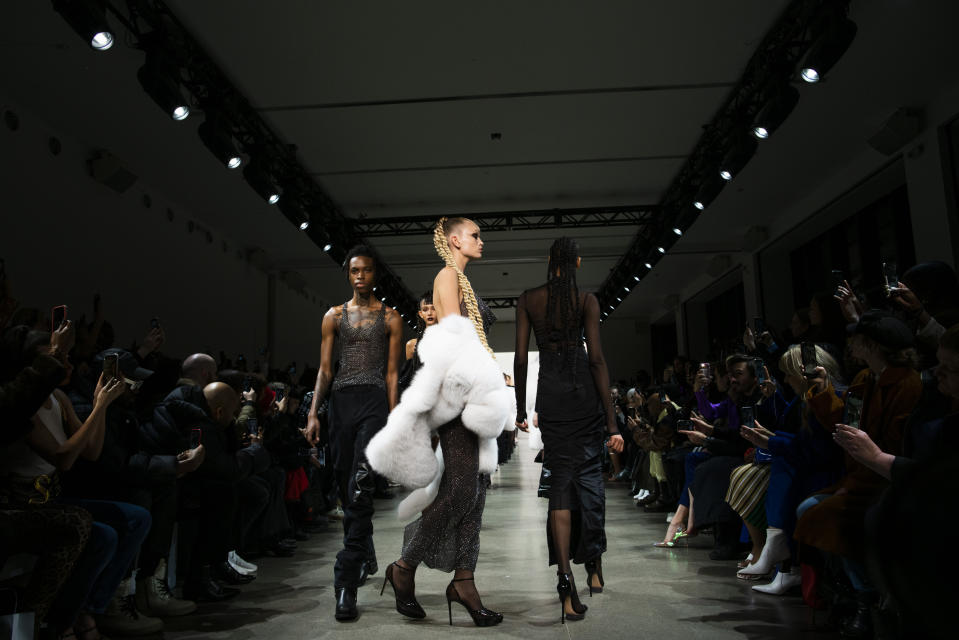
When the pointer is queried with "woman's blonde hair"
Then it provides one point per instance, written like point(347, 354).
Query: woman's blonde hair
point(441, 235)
point(791, 363)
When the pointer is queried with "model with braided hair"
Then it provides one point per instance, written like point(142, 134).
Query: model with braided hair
point(574, 409)
point(446, 536)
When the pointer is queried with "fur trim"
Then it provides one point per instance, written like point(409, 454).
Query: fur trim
point(419, 499)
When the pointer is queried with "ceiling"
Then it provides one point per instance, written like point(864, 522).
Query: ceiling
point(393, 105)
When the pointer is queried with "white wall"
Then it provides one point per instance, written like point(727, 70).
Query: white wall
point(65, 236)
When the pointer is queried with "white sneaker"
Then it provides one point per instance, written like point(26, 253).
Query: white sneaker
point(782, 583)
point(642, 494)
point(153, 596)
point(336, 514)
point(240, 565)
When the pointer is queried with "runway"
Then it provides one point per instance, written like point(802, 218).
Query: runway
point(650, 592)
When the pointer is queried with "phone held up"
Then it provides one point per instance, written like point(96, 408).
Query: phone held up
point(759, 326)
point(196, 436)
point(838, 279)
point(890, 275)
point(760, 367)
point(852, 412)
point(747, 416)
point(111, 366)
point(57, 317)
point(809, 360)
point(252, 427)
point(154, 323)
point(685, 425)
point(707, 370)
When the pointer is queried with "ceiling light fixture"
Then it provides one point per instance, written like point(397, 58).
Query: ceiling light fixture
point(827, 51)
point(161, 81)
point(88, 18)
point(260, 180)
point(734, 162)
point(217, 138)
point(777, 109)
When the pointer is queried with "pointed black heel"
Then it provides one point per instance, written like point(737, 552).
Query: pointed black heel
point(591, 570)
point(482, 617)
point(564, 587)
point(406, 603)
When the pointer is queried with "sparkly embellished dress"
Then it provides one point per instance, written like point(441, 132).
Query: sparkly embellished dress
point(446, 535)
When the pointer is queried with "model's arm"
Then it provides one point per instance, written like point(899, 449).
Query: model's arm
point(597, 363)
point(446, 293)
point(521, 359)
point(324, 376)
point(395, 330)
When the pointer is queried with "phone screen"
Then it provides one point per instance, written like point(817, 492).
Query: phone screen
point(196, 435)
point(111, 366)
point(760, 366)
point(247, 383)
point(685, 425)
point(252, 427)
point(59, 316)
point(279, 394)
point(891, 275)
point(747, 416)
point(759, 327)
point(154, 323)
point(809, 361)
point(852, 411)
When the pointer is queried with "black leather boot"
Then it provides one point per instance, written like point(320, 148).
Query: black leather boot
point(205, 588)
point(859, 624)
point(346, 604)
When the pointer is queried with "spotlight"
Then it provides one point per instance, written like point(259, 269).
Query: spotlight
point(611, 307)
point(304, 225)
point(327, 247)
point(776, 111)
point(218, 139)
point(88, 18)
point(626, 289)
point(636, 278)
point(827, 51)
point(661, 249)
point(708, 192)
point(618, 299)
point(648, 265)
point(161, 82)
point(677, 231)
point(741, 152)
point(259, 178)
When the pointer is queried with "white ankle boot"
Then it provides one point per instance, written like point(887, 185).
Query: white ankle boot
point(775, 551)
point(782, 583)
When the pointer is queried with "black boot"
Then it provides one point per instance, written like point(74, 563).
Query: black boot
point(346, 604)
point(859, 624)
point(205, 588)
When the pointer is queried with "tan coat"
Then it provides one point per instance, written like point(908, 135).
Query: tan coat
point(837, 524)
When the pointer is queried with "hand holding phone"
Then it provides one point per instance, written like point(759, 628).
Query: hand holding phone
point(196, 437)
point(747, 416)
point(57, 317)
point(809, 359)
point(890, 275)
point(111, 366)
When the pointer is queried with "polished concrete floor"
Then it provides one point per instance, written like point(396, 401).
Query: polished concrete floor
point(650, 592)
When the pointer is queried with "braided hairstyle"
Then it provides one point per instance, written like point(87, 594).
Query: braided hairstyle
point(441, 234)
point(562, 297)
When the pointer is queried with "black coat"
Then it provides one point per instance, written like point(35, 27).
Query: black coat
point(21, 397)
point(185, 409)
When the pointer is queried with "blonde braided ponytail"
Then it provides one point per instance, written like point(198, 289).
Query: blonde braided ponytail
point(441, 244)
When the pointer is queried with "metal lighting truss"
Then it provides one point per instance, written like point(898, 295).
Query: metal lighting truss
point(153, 27)
point(775, 61)
point(513, 220)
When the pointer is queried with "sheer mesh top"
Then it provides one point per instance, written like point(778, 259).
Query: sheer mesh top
point(363, 347)
point(561, 371)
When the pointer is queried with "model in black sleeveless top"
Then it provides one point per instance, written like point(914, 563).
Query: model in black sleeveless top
point(363, 392)
point(574, 410)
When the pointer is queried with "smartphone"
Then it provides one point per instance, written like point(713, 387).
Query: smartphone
point(685, 425)
point(838, 278)
point(759, 327)
point(852, 412)
point(760, 366)
point(247, 383)
point(809, 360)
point(111, 366)
point(891, 275)
point(58, 317)
point(747, 416)
point(196, 436)
point(154, 323)
point(252, 427)
point(707, 370)
point(279, 394)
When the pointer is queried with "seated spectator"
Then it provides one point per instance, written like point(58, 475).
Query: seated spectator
point(34, 470)
point(878, 402)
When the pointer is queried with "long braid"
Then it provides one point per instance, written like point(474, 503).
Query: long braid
point(441, 244)
point(562, 298)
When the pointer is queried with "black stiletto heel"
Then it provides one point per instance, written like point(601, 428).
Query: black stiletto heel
point(564, 587)
point(406, 603)
point(482, 617)
point(590, 572)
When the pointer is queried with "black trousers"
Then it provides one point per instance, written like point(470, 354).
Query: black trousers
point(356, 415)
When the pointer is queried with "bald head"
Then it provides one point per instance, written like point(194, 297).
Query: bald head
point(223, 402)
point(201, 368)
